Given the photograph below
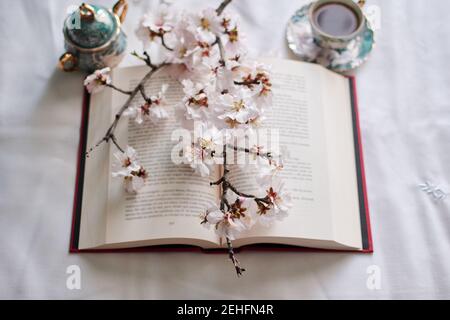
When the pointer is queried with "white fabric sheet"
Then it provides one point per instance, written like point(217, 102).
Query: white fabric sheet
point(404, 95)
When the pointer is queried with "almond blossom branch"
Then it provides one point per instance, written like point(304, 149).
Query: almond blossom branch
point(110, 85)
point(144, 95)
point(217, 182)
point(224, 179)
point(145, 58)
point(244, 195)
point(109, 136)
point(225, 91)
point(114, 140)
point(232, 256)
point(224, 203)
point(265, 155)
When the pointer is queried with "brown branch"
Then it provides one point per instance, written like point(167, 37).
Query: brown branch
point(224, 204)
point(118, 89)
point(114, 140)
point(247, 83)
point(221, 49)
point(244, 195)
point(143, 94)
point(145, 58)
point(232, 256)
point(222, 7)
point(216, 183)
point(224, 178)
point(164, 44)
point(265, 155)
point(148, 60)
point(109, 136)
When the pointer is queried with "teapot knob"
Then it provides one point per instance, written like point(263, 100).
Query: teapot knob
point(361, 3)
point(87, 13)
point(121, 4)
point(68, 62)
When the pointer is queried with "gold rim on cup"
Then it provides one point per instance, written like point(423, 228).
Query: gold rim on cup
point(356, 7)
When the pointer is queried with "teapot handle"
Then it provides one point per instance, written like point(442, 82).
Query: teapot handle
point(68, 62)
point(121, 4)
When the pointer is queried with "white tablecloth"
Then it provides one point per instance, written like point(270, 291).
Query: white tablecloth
point(404, 93)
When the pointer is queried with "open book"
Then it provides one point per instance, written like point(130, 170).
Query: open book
point(316, 114)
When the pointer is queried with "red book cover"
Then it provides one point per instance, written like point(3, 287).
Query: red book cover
point(362, 193)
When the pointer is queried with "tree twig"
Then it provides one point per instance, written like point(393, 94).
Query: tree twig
point(222, 7)
point(164, 44)
point(232, 256)
point(144, 95)
point(265, 155)
point(146, 59)
point(110, 132)
point(224, 204)
point(118, 89)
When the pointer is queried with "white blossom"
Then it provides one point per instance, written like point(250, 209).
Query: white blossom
point(206, 149)
point(198, 158)
point(238, 106)
point(232, 223)
point(155, 24)
point(207, 24)
point(97, 81)
point(256, 77)
point(127, 166)
point(210, 138)
point(136, 182)
point(234, 41)
point(158, 110)
point(183, 41)
point(276, 205)
point(125, 162)
point(204, 53)
point(269, 171)
point(153, 110)
point(197, 100)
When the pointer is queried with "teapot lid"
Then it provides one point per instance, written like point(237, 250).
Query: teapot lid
point(90, 26)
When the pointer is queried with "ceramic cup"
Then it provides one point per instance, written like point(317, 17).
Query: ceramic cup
point(335, 23)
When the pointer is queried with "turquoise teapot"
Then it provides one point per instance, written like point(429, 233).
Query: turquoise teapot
point(94, 38)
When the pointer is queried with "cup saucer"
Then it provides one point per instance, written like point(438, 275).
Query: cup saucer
point(301, 42)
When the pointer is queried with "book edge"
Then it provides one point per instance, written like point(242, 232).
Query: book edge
point(79, 179)
point(366, 230)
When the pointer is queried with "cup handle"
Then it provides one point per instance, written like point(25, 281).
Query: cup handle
point(121, 4)
point(68, 62)
point(361, 3)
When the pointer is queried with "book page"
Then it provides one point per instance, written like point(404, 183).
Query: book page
point(297, 122)
point(341, 158)
point(168, 208)
point(297, 119)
